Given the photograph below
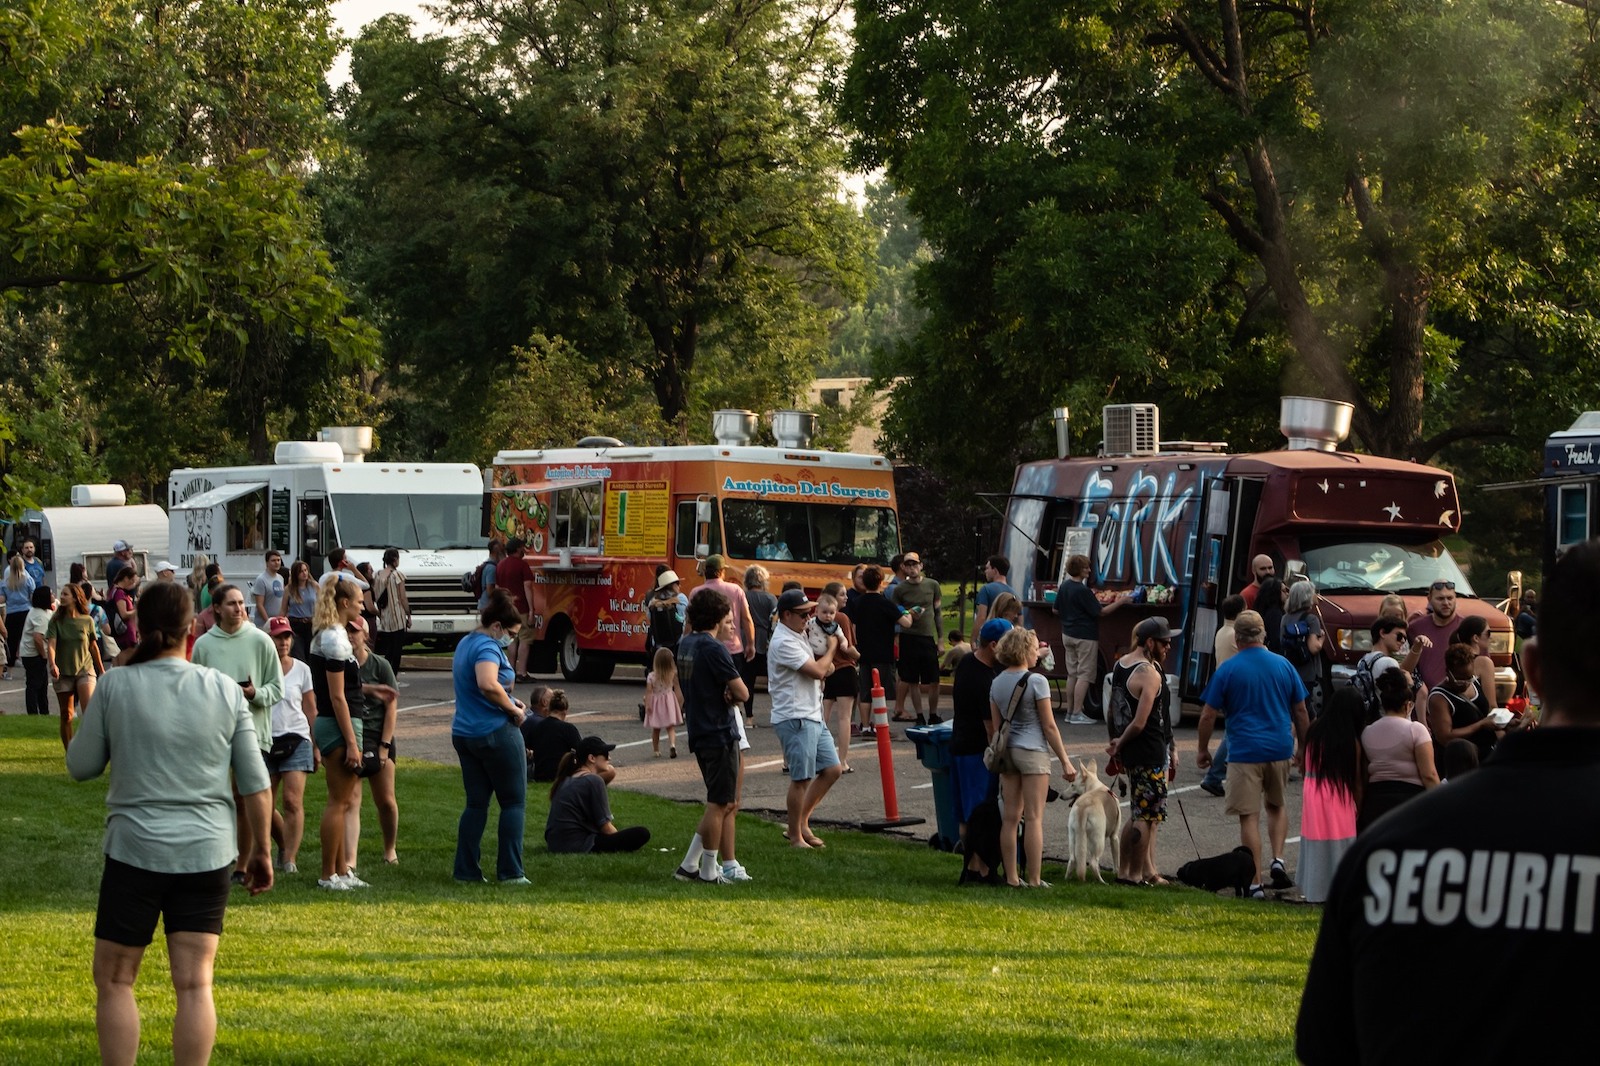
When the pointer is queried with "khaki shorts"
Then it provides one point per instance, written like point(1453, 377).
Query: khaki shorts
point(70, 682)
point(1029, 762)
point(1078, 657)
point(1251, 783)
point(526, 635)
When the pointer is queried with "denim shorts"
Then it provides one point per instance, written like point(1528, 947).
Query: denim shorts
point(807, 747)
point(301, 760)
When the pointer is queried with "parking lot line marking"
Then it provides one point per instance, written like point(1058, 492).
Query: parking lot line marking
point(764, 765)
point(424, 706)
point(927, 785)
point(634, 743)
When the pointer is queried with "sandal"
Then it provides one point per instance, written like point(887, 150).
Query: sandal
point(902, 718)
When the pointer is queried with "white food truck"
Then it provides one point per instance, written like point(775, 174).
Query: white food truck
point(322, 494)
point(100, 516)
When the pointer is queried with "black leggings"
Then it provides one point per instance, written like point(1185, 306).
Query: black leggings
point(36, 693)
point(390, 646)
point(630, 839)
point(16, 622)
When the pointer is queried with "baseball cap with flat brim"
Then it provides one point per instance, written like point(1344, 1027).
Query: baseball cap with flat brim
point(795, 600)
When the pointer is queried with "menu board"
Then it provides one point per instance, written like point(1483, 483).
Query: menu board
point(278, 527)
point(637, 515)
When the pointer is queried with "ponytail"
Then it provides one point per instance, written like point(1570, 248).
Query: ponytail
point(569, 766)
point(165, 613)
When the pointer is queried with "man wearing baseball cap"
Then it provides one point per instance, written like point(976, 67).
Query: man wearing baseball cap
point(795, 684)
point(121, 558)
point(1144, 744)
point(1265, 701)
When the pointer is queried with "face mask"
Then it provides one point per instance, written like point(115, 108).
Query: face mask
point(504, 640)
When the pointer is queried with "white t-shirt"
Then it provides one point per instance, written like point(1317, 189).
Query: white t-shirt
point(288, 714)
point(794, 695)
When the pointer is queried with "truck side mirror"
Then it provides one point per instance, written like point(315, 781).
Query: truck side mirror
point(1295, 569)
point(702, 512)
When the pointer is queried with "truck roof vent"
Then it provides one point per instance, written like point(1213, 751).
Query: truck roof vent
point(1131, 428)
point(599, 442)
point(1314, 424)
point(301, 452)
point(99, 496)
point(794, 429)
point(733, 427)
point(354, 441)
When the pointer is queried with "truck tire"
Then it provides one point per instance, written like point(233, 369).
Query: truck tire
point(579, 665)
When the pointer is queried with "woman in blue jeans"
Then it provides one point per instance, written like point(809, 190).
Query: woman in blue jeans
point(488, 741)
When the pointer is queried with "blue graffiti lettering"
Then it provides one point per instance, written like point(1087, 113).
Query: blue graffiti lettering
point(1134, 529)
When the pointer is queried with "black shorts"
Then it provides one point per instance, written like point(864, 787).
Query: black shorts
point(841, 684)
point(864, 681)
point(132, 899)
point(919, 660)
point(719, 769)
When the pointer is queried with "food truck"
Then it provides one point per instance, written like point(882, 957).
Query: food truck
point(100, 516)
point(1569, 478)
point(1176, 525)
point(322, 494)
point(600, 518)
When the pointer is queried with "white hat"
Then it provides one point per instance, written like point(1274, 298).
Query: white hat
point(165, 565)
point(666, 578)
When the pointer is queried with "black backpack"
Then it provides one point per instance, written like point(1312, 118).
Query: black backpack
point(1295, 648)
point(666, 628)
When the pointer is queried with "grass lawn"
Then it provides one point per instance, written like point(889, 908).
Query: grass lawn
point(864, 951)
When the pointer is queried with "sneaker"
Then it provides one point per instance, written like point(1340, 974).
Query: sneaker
point(352, 881)
point(1079, 718)
point(1041, 884)
point(1255, 892)
point(681, 874)
point(733, 871)
point(1280, 876)
point(334, 884)
point(289, 868)
point(714, 879)
point(656, 754)
point(922, 720)
point(1213, 788)
point(934, 719)
point(515, 881)
point(672, 752)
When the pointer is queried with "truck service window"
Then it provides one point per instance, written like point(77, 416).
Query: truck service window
point(1572, 515)
point(575, 517)
point(1372, 566)
point(247, 522)
point(409, 522)
point(809, 532)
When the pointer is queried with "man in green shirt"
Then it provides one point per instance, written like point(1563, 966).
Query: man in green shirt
point(246, 654)
point(917, 670)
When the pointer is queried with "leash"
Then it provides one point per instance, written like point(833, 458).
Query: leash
point(1192, 841)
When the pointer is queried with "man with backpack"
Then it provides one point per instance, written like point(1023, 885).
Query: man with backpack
point(1388, 651)
point(481, 581)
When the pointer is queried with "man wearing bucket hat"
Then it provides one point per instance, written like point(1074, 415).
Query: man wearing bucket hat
point(1265, 702)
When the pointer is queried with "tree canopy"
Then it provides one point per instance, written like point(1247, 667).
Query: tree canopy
point(1219, 202)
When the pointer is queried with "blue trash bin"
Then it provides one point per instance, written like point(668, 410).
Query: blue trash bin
point(933, 751)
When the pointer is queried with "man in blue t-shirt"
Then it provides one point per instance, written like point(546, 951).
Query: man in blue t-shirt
point(712, 689)
point(996, 571)
point(1265, 702)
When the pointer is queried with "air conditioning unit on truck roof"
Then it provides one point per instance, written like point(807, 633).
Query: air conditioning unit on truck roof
point(1131, 428)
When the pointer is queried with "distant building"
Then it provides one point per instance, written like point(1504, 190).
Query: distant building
point(825, 393)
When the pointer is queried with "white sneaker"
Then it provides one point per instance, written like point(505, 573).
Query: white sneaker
point(1079, 718)
point(352, 881)
point(336, 883)
point(733, 871)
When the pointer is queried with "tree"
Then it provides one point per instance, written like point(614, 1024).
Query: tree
point(1187, 198)
point(653, 183)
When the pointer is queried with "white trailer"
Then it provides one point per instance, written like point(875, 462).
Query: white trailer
point(318, 495)
point(100, 516)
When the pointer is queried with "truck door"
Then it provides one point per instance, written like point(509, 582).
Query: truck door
point(314, 530)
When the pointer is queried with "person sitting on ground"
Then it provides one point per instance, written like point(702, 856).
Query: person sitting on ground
point(580, 814)
point(552, 737)
point(958, 650)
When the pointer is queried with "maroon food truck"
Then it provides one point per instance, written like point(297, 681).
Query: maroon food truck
point(1176, 524)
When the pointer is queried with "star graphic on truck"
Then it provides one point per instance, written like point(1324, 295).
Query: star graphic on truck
point(1393, 510)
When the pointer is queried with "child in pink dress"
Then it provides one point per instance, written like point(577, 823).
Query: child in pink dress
point(663, 702)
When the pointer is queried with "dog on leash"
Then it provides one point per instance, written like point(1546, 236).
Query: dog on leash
point(1094, 824)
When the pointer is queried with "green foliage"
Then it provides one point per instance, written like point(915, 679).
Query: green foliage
point(420, 969)
point(655, 183)
point(1209, 204)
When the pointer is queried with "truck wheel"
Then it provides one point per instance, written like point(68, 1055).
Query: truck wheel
point(579, 665)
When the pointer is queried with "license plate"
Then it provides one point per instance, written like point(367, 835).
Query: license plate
point(443, 626)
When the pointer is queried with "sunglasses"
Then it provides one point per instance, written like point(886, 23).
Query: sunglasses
point(1437, 585)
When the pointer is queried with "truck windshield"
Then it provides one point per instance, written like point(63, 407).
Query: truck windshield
point(808, 532)
point(409, 522)
point(1375, 566)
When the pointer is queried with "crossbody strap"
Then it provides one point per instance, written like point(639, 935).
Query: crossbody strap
point(1016, 698)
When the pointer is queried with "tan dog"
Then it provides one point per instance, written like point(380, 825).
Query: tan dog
point(1093, 825)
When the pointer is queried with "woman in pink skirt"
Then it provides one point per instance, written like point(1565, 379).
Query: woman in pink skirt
point(1331, 792)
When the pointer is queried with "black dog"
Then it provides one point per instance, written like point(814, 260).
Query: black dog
point(1235, 870)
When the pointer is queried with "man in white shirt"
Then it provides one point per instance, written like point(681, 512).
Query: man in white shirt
point(794, 681)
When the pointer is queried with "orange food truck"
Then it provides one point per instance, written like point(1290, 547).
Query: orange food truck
point(1176, 524)
point(599, 519)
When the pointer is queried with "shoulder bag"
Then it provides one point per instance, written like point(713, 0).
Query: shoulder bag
point(997, 757)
